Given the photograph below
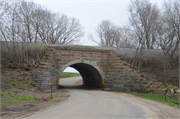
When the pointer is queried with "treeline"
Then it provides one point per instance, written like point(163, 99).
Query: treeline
point(150, 29)
point(25, 28)
point(23, 21)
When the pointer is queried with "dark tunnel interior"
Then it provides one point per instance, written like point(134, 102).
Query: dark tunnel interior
point(91, 76)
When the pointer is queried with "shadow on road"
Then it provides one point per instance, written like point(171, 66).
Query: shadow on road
point(81, 87)
point(70, 87)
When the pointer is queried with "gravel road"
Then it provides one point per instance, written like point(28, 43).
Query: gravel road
point(97, 104)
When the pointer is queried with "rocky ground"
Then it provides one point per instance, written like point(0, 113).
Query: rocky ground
point(157, 87)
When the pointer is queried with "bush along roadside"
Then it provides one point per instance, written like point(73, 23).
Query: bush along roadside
point(24, 55)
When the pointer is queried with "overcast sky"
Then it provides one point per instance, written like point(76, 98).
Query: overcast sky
point(91, 12)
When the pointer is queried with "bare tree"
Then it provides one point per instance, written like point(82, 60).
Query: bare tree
point(25, 12)
point(125, 38)
point(4, 8)
point(40, 24)
point(37, 21)
point(32, 23)
point(169, 35)
point(144, 21)
point(171, 25)
point(107, 33)
point(111, 35)
point(58, 29)
point(73, 31)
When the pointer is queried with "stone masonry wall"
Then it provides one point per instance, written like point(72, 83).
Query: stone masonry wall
point(118, 76)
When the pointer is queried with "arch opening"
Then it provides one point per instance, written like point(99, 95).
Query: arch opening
point(71, 78)
point(91, 77)
point(91, 74)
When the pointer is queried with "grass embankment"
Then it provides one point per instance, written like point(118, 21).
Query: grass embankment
point(159, 98)
point(11, 98)
point(11, 82)
point(15, 79)
point(69, 74)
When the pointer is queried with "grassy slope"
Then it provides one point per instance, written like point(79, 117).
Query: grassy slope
point(12, 98)
point(159, 98)
point(12, 79)
point(69, 74)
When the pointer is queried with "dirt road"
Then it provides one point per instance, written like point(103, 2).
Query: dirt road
point(97, 104)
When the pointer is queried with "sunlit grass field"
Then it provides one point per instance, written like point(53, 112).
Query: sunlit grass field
point(69, 74)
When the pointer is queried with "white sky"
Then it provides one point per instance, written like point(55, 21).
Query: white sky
point(91, 12)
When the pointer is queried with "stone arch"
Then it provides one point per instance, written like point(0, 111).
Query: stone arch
point(91, 73)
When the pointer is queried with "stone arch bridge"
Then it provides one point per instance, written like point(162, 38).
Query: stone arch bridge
point(93, 64)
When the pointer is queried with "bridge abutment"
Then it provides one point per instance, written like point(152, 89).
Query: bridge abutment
point(120, 77)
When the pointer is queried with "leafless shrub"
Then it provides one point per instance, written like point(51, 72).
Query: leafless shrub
point(24, 55)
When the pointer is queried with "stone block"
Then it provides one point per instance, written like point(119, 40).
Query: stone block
point(43, 66)
point(128, 85)
point(49, 55)
point(118, 85)
point(50, 49)
point(177, 91)
point(36, 77)
point(43, 63)
point(127, 89)
point(143, 82)
point(65, 53)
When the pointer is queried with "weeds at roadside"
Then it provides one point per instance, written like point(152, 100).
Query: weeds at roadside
point(16, 81)
point(14, 84)
point(50, 99)
point(12, 98)
point(2, 95)
point(159, 98)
